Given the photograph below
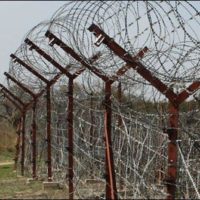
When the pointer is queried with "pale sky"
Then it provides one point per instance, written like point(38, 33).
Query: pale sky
point(16, 19)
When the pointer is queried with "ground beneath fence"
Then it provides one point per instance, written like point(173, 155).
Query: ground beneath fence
point(14, 186)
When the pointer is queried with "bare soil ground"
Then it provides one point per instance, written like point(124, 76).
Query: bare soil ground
point(6, 163)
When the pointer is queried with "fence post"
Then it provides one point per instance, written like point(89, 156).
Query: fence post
point(34, 155)
point(48, 131)
point(17, 146)
point(70, 138)
point(111, 189)
point(172, 151)
point(23, 141)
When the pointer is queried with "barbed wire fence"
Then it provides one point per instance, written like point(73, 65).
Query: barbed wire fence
point(102, 75)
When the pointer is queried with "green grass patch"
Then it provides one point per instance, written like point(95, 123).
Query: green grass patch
point(6, 156)
point(15, 186)
point(6, 172)
point(12, 185)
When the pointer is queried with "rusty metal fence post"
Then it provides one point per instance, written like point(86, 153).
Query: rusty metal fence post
point(70, 137)
point(91, 138)
point(17, 146)
point(111, 189)
point(119, 97)
point(34, 148)
point(48, 132)
point(23, 141)
point(172, 150)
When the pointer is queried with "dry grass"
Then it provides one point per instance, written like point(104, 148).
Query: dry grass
point(13, 186)
point(8, 137)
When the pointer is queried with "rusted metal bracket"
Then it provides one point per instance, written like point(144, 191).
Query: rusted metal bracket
point(12, 95)
point(19, 84)
point(188, 91)
point(70, 51)
point(18, 106)
point(126, 67)
point(88, 65)
point(30, 104)
point(136, 65)
point(29, 68)
point(47, 57)
point(56, 64)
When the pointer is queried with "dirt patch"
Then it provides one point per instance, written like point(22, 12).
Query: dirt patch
point(6, 163)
